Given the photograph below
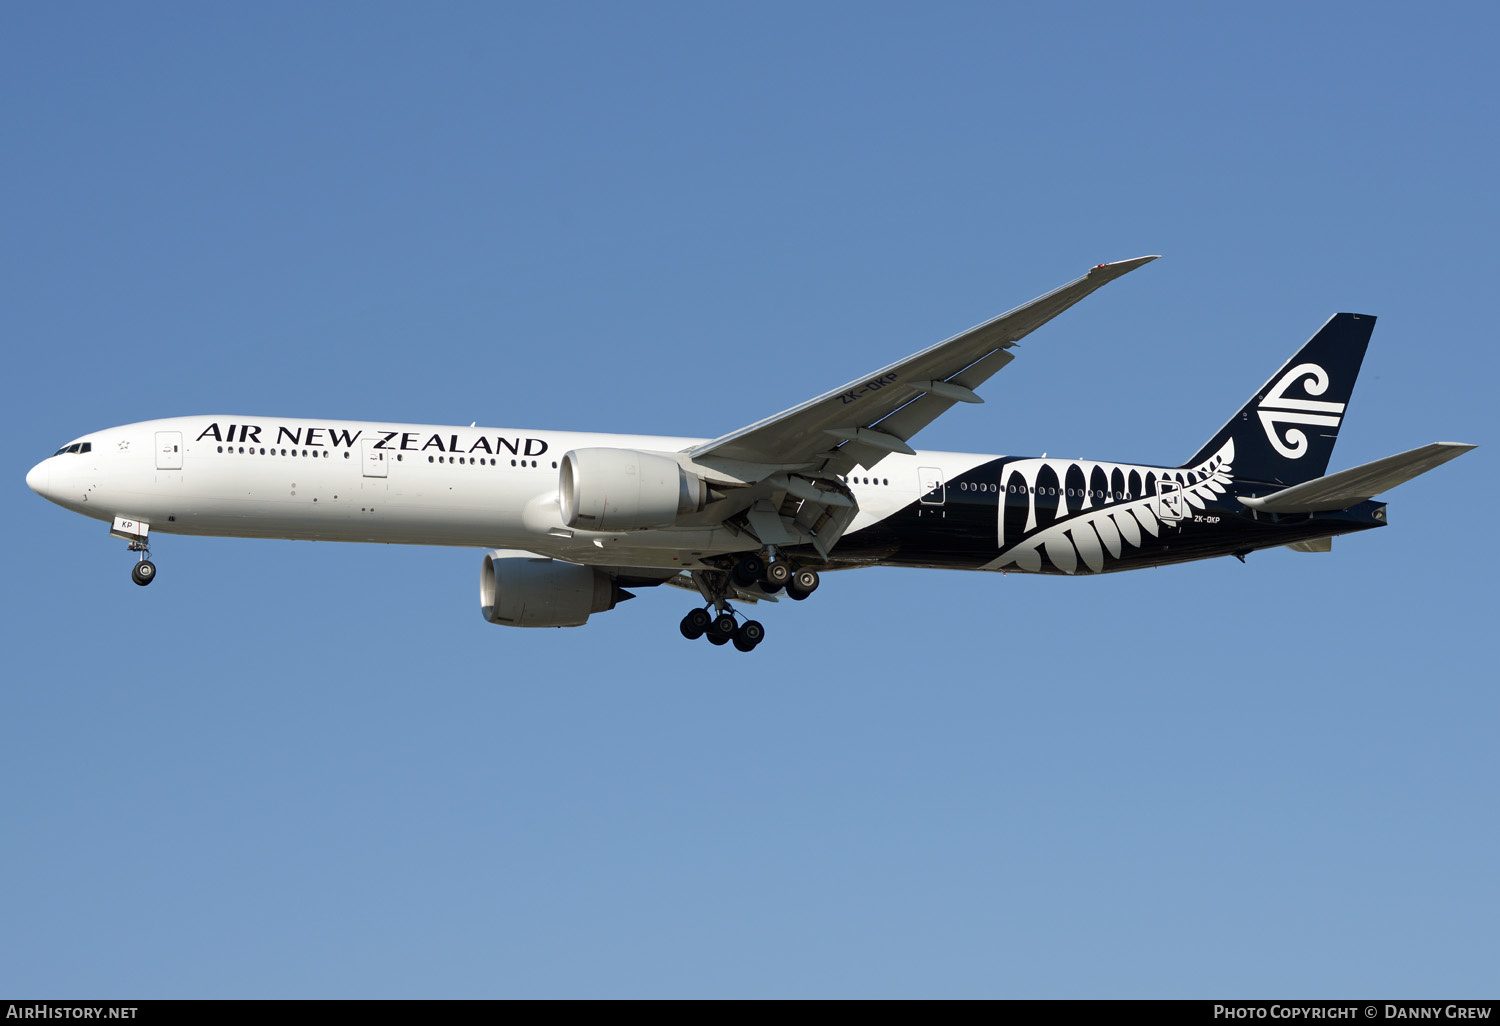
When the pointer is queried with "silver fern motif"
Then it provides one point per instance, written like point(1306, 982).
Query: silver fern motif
point(1097, 527)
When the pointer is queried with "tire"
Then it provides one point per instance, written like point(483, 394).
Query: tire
point(749, 569)
point(694, 624)
point(805, 581)
point(777, 576)
point(717, 639)
point(750, 634)
point(724, 625)
point(795, 593)
point(143, 573)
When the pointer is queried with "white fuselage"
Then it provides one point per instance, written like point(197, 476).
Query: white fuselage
point(416, 484)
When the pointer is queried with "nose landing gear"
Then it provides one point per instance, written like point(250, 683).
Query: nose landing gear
point(144, 572)
point(137, 534)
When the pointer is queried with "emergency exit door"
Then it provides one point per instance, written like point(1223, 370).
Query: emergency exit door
point(933, 492)
point(374, 460)
point(169, 450)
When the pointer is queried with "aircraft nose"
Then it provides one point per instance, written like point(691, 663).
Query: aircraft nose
point(36, 478)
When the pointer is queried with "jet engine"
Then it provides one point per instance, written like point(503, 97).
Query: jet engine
point(522, 589)
point(625, 490)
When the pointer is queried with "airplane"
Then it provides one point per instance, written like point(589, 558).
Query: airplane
point(574, 521)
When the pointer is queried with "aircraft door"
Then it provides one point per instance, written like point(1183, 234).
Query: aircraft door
point(169, 450)
point(1169, 504)
point(375, 464)
point(933, 492)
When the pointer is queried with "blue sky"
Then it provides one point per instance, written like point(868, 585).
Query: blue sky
point(312, 770)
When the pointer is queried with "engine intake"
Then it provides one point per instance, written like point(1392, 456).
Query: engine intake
point(625, 490)
point(522, 589)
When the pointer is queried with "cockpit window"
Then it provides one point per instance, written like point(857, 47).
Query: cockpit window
point(78, 447)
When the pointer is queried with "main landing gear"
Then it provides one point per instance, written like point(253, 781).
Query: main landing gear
point(722, 629)
point(772, 577)
point(718, 622)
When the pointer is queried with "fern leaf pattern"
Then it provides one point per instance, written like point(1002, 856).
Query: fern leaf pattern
point(1079, 513)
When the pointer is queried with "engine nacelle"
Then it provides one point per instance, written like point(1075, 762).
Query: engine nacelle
point(625, 490)
point(522, 589)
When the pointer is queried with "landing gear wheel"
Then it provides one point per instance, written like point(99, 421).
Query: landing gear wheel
point(749, 570)
point(695, 624)
point(803, 584)
point(778, 575)
point(721, 629)
point(750, 634)
point(143, 572)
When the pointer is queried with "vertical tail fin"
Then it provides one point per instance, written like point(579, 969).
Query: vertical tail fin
point(1285, 433)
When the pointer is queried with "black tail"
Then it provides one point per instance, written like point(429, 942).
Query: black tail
point(1285, 433)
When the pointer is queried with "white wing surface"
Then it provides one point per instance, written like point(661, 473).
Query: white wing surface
point(858, 424)
point(1347, 487)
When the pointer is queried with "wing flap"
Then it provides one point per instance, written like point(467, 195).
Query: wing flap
point(1347, 487)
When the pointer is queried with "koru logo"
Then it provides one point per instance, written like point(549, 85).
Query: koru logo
point(1276, 409)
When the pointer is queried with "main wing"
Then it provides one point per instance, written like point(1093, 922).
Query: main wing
point(858, 424)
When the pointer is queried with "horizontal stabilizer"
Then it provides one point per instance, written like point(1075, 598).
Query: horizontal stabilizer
point(1323, 544)
point(1347, 487)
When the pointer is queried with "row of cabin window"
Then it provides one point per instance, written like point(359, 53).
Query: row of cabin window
point(1072, 493)
point(866, 480)
point(476, 461)
point(232, 450)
